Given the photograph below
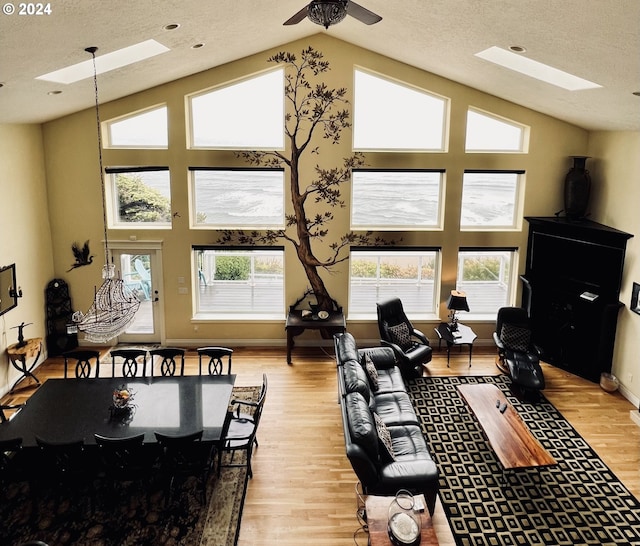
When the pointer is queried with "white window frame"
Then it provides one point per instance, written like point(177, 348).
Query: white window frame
point(518, 201)
point(481, 293)
point(395, 200)
point(111, 198)
point(244, 222)
point(206, 286)
point(396, 123)
point(519, 147)
point(408, 290)
point(251, 110)
point(108, 134)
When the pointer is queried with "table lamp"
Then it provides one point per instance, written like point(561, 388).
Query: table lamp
point(457, 302)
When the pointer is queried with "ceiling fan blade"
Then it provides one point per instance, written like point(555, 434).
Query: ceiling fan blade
point(362, 14)
point(297, 17)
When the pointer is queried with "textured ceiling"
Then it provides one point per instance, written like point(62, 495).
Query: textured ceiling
point(597, 39)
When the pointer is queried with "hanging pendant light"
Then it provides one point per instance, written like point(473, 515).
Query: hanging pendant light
point(114, 306)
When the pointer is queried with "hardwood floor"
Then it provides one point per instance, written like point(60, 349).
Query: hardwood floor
point(303, 488)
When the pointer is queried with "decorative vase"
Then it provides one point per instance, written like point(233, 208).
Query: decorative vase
point(403, 524)
point(577, 187)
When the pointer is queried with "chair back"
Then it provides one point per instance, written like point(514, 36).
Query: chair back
point(9, 449)
point(185, 454)
point(216, 356)
point(391, 317)
point(168, 364)
point(123, 457)
point(3, 415)
point(84, 360)
point(64, 460)
point(516, 316)
point(130, 359)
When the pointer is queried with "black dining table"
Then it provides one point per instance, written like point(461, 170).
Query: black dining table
point(65, 410)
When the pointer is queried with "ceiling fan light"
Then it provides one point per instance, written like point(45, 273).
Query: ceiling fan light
point(327, 13)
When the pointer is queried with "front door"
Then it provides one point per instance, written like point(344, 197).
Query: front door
point(140, 271)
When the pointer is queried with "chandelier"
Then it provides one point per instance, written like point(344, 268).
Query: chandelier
point(114, 305)
point(328, 12)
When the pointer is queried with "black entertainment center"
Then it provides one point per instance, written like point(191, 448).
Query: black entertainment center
point(571, 291)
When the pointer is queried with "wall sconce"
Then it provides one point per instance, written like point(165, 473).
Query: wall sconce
point(13, 293)
point(457, 302)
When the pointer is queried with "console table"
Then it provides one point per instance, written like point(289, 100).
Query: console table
point(295, 325)
point(465, 336)
point(19, 357)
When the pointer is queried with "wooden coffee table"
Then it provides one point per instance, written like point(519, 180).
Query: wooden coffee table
point(510, 438)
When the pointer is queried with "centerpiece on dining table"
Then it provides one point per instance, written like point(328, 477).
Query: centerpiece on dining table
point(122, 397)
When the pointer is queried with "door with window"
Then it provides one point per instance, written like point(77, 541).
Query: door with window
point(140, 271)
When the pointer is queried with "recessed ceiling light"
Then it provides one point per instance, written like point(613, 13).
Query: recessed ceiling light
point(197, 46)
point(56, 92)
point(518, 48)
point(534, 69)
point(171, 26)
point(105, 63)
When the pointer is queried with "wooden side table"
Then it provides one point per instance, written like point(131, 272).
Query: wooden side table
point(377, 508)
point(19, 357)
point(465, 336)
point(295, 325)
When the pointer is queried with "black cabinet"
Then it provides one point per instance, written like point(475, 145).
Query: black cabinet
point(59, 313)
point(571, 290)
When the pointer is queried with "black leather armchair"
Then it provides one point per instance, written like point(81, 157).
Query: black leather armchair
point(518, 356)
point(411, 346)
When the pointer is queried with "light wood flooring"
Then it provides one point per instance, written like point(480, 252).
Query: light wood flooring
point(303, 490)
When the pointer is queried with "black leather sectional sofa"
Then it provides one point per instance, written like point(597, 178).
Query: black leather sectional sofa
point(383, 439)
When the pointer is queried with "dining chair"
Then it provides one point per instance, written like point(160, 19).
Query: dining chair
point(184, 456)
point(126, 460)
point(130, 358)
point(216, 356)
point(243, 428)
point(65, 466)
point(168, 356)
point(10, 407)
point(12, 467)
point(84, 360)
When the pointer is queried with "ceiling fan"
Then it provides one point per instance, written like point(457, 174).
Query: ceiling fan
point(330, 12)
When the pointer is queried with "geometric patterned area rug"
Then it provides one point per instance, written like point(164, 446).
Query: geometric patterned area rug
point(135, 519)
point(578, 502)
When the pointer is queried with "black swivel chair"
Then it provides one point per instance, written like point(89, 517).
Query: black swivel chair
point(518, 356)
point(411, 346)
point(216, 356)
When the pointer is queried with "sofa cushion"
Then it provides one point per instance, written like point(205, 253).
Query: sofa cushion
point(383, 357)
point(394, 408)
point(385, 438)
point(408, 442)
point(346, 348)
point(390, 381)
point(355, 379)
point(372, 372)
point(400, 335)
point(362, 427)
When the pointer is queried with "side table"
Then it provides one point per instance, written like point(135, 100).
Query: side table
point(377, 508)
point(19, 357)
point(295, 325)
point(463, 336)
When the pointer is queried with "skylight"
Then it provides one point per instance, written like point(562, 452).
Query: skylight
point(535, 69)
point(105, 63)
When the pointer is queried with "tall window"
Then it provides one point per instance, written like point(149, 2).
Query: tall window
point(491, 200)
point(395, 199)
point(237, 198)
point(391, 116)
point(239, 283)
point(244, 115)
point(486, 275)
point(490, 133)
point(377, 274)
point(147, 129)
point(139, 196)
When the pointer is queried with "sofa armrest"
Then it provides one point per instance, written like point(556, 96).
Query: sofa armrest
point(417, 333)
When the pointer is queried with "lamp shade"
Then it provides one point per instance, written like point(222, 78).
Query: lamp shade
point(457, 301)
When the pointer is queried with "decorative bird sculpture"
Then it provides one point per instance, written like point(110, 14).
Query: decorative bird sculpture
point(82, 255)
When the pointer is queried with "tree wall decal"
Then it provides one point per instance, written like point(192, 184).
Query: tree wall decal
point(314, 110)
